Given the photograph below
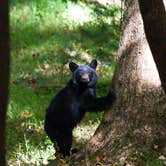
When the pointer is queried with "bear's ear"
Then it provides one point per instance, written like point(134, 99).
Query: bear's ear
point(93, 64)
point(73, 66)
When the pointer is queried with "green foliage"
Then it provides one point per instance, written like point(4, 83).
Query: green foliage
point(145, 157)
point(45, 36)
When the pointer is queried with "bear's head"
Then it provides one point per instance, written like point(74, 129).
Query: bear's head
point(84, 74)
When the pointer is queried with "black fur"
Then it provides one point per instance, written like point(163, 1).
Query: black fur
point(69, 106)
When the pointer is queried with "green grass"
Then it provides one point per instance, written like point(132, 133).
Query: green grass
point(145, 157)
point(45, 36)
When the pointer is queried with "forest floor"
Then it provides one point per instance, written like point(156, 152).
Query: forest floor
point(45, 37)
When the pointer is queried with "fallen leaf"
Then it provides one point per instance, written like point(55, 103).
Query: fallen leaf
point(155, 147)
point(98, 159)
point(26, 115)
point(162, 157)
point(38, 129)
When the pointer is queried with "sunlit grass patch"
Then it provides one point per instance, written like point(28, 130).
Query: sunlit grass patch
point(78, 14)
point(33, 155)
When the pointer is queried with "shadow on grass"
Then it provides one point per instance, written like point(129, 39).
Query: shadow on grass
point(99, 39)
point(43, 55)
point(48, 53)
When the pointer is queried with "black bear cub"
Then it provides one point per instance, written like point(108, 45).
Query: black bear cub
point(69, 106)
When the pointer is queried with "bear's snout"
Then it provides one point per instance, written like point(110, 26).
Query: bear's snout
point(85, 77)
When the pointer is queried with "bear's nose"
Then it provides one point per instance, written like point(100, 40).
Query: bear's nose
point(85, 77)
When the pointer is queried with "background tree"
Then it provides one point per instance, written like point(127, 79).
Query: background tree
point(4, 73)
point(153, 13)
point(138, 116)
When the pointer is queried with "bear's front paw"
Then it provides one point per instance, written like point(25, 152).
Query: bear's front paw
point(89, 93)
point(111, 96)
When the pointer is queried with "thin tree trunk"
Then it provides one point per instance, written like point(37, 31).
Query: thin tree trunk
point(137, 117)
point(154, 18)
point(4, 74)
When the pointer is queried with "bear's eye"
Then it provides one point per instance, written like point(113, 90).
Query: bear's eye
point(81, 73)
point(90, 74)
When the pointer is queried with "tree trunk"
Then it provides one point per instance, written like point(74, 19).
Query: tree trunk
point(137, 117)
point(154, 18)
point(4, 73)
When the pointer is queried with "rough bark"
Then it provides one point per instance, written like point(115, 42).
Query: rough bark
point(138, 116)
point(4, 74)
point(154, 18)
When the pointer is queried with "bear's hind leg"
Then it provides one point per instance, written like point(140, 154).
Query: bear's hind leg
point(64, 142)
